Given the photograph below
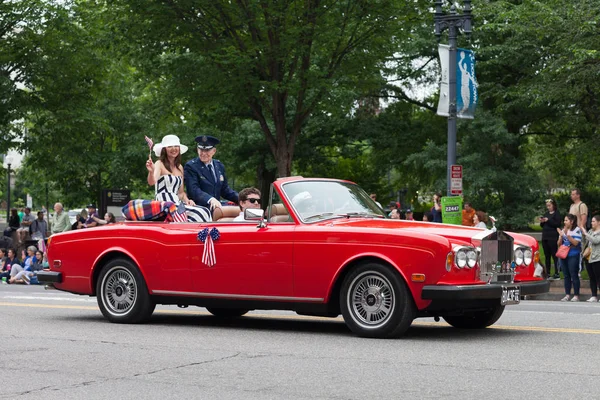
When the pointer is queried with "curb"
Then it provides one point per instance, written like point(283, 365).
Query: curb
point(557, 291)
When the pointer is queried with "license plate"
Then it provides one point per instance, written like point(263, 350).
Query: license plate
point(510, 295)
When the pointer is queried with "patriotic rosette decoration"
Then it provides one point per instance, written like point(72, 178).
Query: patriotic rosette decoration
point(208, 237)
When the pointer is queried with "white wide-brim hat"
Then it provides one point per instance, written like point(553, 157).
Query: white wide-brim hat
point(169, 140)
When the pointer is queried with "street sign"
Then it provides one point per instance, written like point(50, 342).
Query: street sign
point(456, 184)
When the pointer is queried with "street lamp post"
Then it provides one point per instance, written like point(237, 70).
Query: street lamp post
point(8, 160)
point(452, 22)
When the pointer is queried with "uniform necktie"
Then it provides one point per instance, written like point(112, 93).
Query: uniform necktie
point(212, 173)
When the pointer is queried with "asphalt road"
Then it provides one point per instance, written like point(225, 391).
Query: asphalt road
point(55, 345)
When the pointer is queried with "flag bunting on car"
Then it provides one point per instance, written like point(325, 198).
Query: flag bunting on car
point(208, 237)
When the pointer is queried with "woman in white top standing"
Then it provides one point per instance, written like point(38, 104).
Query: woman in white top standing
point(593, 268)
point(167, 176)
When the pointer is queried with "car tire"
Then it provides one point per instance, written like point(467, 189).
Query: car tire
point(122, 293)
point(375, 302)
point(227, 312)
point(476, 320)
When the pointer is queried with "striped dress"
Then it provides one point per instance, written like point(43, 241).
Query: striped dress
point(167, 188)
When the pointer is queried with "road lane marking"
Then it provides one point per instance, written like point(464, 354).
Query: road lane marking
point(74, 299)
point(309, 318)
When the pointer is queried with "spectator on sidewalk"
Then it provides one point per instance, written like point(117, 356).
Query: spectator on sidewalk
point(80, 220)
point(60, 220)
point(13, 223)
point(109, 218)
point(436, 210)
point(570, 236)
point(578, 208)
point(26, 264)
point(467, 214)
point(3, 260)
point(11, 262)
point(394, 214)
point(409, 215)
point(31, 269)
point(393, 206)
point(480, 219)
point(26, 222)
point(549, 222)
point(90, 222)
point(373, 197)
point(39, 227)
point(593, 267)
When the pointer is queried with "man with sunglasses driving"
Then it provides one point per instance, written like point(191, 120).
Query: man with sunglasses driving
point(249, 198)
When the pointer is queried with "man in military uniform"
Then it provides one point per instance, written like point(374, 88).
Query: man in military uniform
point(205, 178)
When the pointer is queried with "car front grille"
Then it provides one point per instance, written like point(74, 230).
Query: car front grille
point(496, 257)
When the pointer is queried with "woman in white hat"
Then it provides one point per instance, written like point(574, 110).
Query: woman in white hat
point(167, 176)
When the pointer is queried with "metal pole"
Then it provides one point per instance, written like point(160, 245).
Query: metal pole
point(453, 21)
point(8, 196)
point(452, 33)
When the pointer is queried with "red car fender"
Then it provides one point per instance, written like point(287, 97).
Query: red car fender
point(95, 272)
point(354, 258)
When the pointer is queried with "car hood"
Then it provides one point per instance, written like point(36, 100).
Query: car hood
point(455, 233)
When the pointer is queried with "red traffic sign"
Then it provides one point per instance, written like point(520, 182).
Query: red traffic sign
point(456, 174)
point(456, 171)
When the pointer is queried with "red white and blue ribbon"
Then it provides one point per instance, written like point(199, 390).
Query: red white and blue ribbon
point(208, 237)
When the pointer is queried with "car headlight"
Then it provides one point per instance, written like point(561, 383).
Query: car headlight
point(519, 256)
point(523, 255)
point(461, 258)
point(465, 257)
point(471, 258)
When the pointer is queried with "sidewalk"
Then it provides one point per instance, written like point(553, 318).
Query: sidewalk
point(557, 291)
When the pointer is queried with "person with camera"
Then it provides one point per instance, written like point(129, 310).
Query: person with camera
point(549, 222)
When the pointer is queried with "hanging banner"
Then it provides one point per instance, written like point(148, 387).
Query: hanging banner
point(466, 84)
point(444, 103)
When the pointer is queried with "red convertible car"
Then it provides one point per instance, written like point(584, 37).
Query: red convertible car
point(321, 247)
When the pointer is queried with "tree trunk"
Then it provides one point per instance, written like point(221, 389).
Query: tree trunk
point(264, 177)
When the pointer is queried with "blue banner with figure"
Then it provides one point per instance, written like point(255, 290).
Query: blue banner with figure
point(466, 85)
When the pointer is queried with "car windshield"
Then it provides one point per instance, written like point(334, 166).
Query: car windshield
point(318, 200)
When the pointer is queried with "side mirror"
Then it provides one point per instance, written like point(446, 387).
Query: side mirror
point(255, 214)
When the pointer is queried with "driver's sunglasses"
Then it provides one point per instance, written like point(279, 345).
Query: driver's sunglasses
point(253, 201)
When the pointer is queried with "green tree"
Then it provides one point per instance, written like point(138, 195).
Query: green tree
point(276, 62)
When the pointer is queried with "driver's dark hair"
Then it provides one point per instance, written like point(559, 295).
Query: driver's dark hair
point(244, 193)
